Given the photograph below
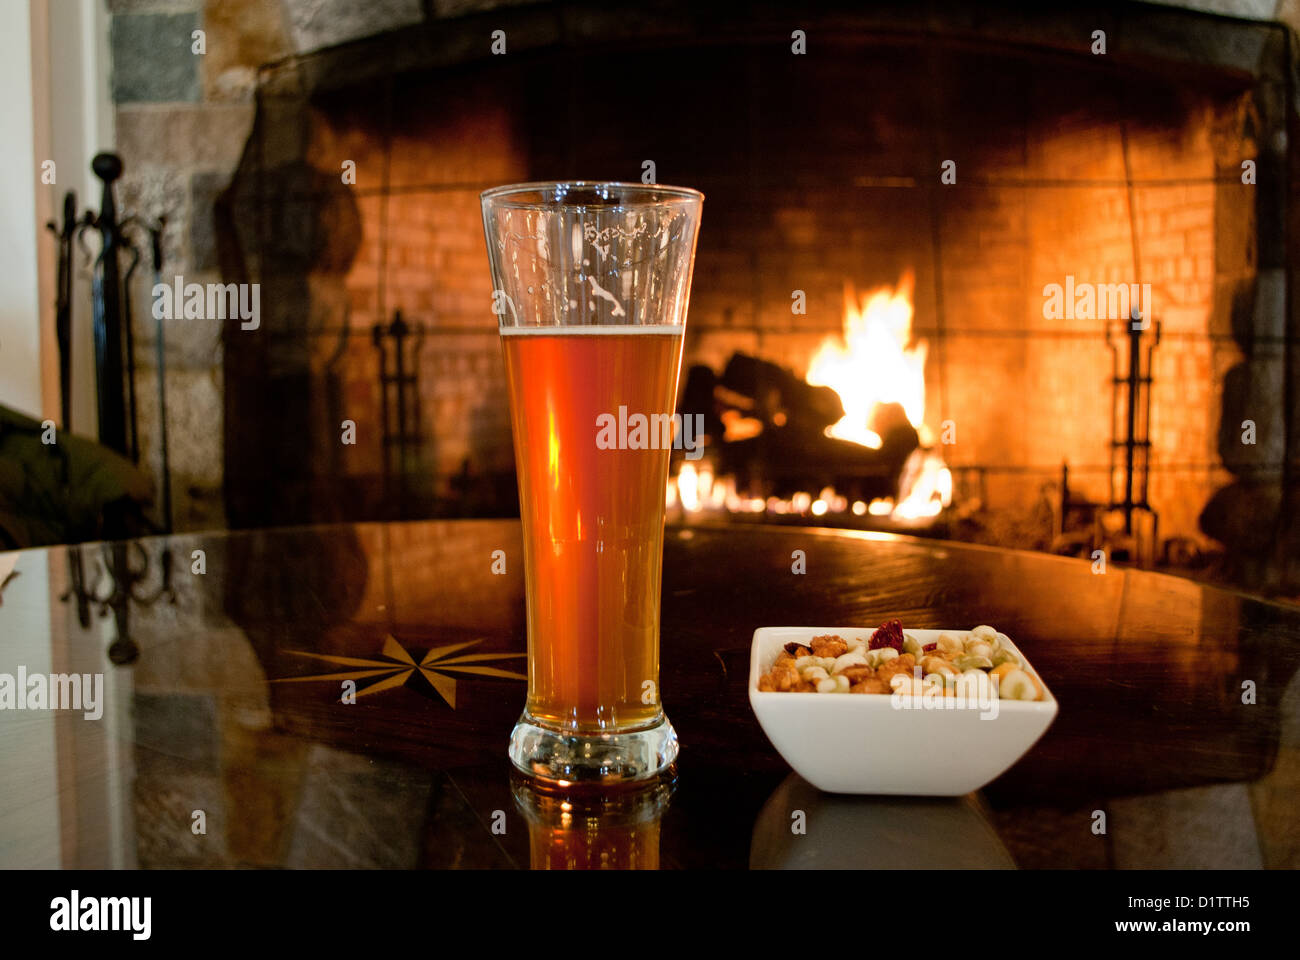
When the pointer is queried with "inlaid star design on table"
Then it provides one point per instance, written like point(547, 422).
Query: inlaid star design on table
point(399, 665)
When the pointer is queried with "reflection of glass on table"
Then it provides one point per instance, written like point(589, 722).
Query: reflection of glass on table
point(582, 831)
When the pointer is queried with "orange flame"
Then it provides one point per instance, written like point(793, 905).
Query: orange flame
point(873, 362)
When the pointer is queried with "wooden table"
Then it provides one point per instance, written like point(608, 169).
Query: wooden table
point(223, 741)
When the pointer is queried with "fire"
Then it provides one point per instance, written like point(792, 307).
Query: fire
point(874, 362)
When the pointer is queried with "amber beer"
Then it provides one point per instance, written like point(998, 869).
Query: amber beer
point(593, 518)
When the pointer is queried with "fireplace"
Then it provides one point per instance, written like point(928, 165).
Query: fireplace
point(965, 171)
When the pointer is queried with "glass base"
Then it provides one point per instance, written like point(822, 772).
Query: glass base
point(598, 758)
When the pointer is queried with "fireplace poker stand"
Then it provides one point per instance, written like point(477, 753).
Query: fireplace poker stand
point(115, 390)
point(1131, 419)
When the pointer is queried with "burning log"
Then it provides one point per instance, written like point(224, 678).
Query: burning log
point(779, 397)
point(786, 460)
point(698, 397)
point(791, 452)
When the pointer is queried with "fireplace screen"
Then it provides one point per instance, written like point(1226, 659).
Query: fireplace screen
point(1029, 292)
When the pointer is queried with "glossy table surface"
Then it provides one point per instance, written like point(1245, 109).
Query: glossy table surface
point(224, 741)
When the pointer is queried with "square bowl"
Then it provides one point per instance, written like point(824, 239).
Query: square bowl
point(888, 743)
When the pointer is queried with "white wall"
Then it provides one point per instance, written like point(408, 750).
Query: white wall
point(29, 790)
point(56, 105)
point(20, 315)
point(81, 125)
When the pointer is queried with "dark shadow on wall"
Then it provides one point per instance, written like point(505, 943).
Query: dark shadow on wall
point(1249, 516)
point(293, 230)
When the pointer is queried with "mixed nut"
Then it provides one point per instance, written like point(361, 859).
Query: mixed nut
point(975, 662)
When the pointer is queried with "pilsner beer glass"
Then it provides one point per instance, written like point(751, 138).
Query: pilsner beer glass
point(590, 285)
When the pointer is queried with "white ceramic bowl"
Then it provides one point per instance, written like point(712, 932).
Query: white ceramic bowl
point(882, 743)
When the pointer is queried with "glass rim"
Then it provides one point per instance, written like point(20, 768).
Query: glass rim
point(551, 194)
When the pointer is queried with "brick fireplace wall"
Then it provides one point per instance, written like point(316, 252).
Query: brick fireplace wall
point(419, 252)
point(1041, 193)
